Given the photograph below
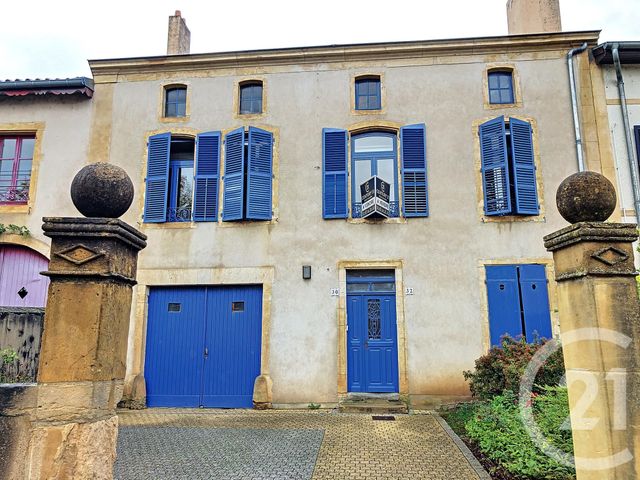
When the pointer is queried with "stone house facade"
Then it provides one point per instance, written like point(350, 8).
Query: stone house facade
point(273, 275)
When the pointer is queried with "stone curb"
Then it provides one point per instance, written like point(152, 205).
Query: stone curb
point(475, 464)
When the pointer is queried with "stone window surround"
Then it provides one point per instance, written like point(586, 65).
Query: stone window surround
point(515, 78)
point(484, 301)
point(161, 106)
point(477, 168)
point(36, 129)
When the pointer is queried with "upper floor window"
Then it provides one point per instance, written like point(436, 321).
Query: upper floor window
point(175, 192)
point(16, 157)
point(508, 168)
point(368, 93)
point(181, 188)
point(248, 167)
point(501, 87)
point(251, 97)
point(375, 154)
point(175, 102)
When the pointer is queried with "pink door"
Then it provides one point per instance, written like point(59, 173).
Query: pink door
point(21, 284)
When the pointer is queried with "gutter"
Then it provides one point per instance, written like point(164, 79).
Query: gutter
point(633, 165)
point(78, 82)
point(574, 104)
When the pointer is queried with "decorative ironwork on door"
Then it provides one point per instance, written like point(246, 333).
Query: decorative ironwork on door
point(373, 312)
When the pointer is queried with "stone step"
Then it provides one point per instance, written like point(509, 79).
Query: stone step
point(373, 406)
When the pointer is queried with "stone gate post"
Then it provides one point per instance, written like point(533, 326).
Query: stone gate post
point(600, 328)
point(68, 425)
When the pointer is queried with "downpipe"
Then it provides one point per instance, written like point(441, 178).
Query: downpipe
point(574, 104)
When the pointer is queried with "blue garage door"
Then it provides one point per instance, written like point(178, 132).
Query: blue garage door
point(203, 346)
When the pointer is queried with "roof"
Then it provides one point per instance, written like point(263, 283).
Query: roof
point(629, 52)
point(341, 53)
point(57, 86)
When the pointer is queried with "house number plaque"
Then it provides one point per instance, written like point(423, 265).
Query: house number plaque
point(408, 291)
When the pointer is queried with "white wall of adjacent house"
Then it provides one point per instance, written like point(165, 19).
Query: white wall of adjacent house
point(63, 144)
point(631, 76)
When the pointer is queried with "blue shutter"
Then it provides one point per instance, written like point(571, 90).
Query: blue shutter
point(334, 173)
point(523, 168)
point(233, 176)
point(205, 201)
point(495, 168)
point(535, 302)
point(157, 181)
point(504, 302)
point(259, 174)
point(414, 170)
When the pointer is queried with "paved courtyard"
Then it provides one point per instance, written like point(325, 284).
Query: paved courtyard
point(278, 444)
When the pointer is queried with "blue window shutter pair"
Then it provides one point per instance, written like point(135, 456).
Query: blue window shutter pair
point(415, 202)
point(414, 172)
point(205, 203)
point(518, 302)
point(259, 172)
point(500, 173)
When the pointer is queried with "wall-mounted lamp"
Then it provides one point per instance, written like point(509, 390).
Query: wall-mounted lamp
point(306, 272)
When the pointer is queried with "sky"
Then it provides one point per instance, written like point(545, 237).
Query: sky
point(54, 39)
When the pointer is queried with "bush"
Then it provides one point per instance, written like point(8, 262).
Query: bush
point(501, 369)
point(499, 433)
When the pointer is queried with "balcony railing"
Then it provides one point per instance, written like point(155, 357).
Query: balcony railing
point(394, 210)
point(179, 215)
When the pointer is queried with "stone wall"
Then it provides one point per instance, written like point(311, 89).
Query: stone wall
point(21, 330)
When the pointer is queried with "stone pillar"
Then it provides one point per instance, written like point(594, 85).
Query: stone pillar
point(600, 328)
point(68, 421)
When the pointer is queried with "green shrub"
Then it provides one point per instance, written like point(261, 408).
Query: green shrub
point(460, 415)
point(8, 359)
point(502, 368)
point(499, 433)
point(12, 370)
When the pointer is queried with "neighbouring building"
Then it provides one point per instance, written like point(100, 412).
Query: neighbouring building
point(329, 220)
point(621, 64)
point(44, 134)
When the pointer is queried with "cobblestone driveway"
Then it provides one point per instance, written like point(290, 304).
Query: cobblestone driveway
point(278, 444)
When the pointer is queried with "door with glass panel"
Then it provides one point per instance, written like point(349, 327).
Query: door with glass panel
point(372, 349)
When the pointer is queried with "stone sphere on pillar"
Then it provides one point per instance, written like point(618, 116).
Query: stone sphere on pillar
point(102, 190)
point(586, 197)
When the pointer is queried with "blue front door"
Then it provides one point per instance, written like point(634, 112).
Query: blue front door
point(203, 346)
point(372, 350)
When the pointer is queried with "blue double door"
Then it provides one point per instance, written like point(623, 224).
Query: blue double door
point(372, 348)
point(203, 346)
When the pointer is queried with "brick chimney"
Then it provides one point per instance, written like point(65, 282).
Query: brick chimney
point(179, 38)
point(533, 16)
